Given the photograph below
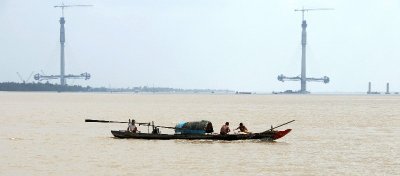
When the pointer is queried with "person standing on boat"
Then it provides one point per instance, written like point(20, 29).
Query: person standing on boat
point(242, 128)
point(225, 129)
point(132, 127)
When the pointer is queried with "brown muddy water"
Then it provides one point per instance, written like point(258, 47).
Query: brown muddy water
point(45, 134)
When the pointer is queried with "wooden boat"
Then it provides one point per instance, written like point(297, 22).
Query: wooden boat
point(198, 130)
point(266, 135)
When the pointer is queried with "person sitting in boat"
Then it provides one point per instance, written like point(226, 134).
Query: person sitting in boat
point(225, 129)
point(132, 127)
point(242, 128)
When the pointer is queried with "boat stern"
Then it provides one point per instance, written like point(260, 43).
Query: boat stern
point(118, 134)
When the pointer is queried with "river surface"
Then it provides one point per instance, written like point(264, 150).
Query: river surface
point(45, 134)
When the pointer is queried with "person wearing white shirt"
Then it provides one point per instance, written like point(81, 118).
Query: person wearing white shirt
point(132, 127)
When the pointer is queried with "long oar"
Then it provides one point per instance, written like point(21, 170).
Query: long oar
point(108, 121)
point(168, 127)
point(148, 124)
point(103, 121)
point(281, 125)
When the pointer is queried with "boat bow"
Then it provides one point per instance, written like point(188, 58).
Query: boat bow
point(280, 134)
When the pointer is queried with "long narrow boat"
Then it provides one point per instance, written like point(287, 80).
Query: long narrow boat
point(198, 130)
point(266, 135)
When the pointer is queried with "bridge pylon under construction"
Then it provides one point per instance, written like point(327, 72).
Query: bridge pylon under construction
point(63, 77)
point(303, 78)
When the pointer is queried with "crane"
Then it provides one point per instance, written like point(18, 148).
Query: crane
point(302, 78)
point(62, 6)
point(24, 80)
point(306, 10)
point(62, 75)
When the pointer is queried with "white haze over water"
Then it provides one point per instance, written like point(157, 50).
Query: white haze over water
point(221, 44)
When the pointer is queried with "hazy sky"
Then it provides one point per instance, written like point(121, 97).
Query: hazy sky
point(220, 44)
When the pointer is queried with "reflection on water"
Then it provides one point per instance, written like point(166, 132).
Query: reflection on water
point(45, 134)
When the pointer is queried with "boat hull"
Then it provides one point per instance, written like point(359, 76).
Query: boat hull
point(267, 135)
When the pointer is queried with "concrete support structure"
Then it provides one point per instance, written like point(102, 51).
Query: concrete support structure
point(387, 88)
point(303, 57)
point(62, 56)
point(63, 77)
point(369, 88)
point(303, 78)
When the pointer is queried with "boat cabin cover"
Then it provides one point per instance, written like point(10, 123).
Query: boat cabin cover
point(196, 127)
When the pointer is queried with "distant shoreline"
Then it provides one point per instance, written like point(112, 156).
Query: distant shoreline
point(48, 87)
